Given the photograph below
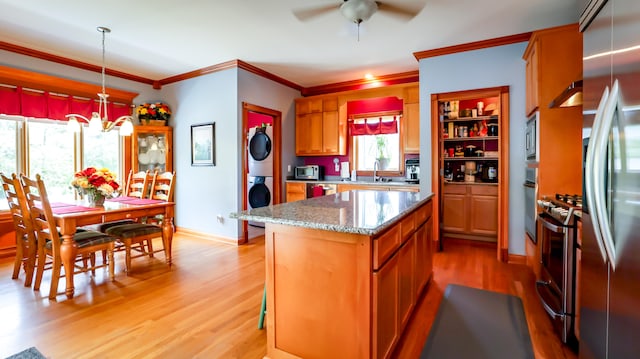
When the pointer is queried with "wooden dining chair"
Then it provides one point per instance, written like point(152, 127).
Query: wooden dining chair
point(141, 233)
point(26, 248)
point(49, 239)
point(137, 184)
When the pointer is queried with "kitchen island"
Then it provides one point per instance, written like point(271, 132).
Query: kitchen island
point(344, 271)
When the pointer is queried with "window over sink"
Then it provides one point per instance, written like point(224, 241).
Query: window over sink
point(376, 140)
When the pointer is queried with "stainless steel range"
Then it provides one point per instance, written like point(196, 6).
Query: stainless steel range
point(556, 286)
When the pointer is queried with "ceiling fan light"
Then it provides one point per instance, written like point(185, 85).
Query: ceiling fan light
point(358, 10)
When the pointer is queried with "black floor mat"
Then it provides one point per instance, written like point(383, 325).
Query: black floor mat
point(475, 323)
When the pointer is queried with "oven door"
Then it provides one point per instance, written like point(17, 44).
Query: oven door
point(530, 210)
point(556, 287)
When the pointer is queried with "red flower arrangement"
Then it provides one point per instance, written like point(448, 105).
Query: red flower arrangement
point(153, 111)
point(94, 181)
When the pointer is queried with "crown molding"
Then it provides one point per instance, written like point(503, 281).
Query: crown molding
point(70, 62)
point(476, 45)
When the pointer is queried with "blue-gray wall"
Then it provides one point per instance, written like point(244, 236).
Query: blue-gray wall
point(491, 67)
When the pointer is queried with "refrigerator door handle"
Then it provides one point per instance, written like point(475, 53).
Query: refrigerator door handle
point(600, 173)
point(589, 188)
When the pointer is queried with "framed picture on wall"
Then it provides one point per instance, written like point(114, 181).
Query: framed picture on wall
point(203, 144)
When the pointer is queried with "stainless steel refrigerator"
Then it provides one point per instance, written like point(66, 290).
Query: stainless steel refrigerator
point(610, 267)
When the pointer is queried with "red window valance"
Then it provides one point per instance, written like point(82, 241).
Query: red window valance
point(32, 103)
point(379, 126)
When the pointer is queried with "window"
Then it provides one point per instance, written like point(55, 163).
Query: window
point(8, 153)
point(55, 153)
point(383, 148)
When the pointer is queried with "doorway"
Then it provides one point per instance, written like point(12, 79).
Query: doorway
point(264, 126)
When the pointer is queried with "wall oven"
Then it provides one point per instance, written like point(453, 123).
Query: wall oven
point(530, 202)
point(531, 138)
point(558, 245)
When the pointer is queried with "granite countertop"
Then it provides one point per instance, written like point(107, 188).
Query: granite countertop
point(357, 211)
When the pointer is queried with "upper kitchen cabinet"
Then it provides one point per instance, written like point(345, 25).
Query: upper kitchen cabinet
point(320, 128)
point(152, 148)
point(553, 61)
point(411, 119)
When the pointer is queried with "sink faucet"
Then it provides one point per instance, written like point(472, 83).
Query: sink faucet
point(376, 165)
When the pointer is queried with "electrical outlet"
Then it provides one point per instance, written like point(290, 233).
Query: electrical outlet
point(289, 168)
point(220, 218)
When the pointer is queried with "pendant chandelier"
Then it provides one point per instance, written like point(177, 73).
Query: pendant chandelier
point(99, 121)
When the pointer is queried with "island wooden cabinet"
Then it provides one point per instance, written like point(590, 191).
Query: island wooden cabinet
point(376, 279)
point(296, 191)
point(470, 211)
point(320, 130)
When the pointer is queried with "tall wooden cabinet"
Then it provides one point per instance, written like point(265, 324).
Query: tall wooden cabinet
point(470, 132)
point(152, 148)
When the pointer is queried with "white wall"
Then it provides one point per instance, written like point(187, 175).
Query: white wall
point(492, 67)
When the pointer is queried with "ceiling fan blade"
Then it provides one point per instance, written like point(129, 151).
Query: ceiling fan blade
point(405, 12)
point(309, 13)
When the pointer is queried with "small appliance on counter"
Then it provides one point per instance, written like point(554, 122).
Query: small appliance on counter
point(309, 172)
point(412, 170)
point(490, 172)
point(344, 171)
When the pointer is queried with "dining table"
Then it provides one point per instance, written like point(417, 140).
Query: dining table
point(69, 216)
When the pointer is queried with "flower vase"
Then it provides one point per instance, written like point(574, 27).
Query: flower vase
point(95, 199)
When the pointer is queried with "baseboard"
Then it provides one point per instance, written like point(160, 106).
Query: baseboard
point(208, 236)
point(517, 259)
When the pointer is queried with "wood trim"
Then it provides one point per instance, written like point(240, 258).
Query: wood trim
point(37, 81)
point(203, 235)
point(517, 259)
point(277, 149)
point(502, 252)
point(70, 62)
point(228, 65)
point(436, 184)
point(361, 84)
point(476, 45)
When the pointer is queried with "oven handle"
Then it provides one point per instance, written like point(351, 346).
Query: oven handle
point(552, 227)
point(530, 185)
point(546, 306)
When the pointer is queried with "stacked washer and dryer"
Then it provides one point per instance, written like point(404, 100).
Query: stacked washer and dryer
point(260, 178)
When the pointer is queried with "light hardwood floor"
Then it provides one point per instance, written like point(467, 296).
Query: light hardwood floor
point(207, 305)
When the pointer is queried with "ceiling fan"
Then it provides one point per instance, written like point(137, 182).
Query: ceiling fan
point(358, 11)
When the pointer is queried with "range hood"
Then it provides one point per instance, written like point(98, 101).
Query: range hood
point(571, 96)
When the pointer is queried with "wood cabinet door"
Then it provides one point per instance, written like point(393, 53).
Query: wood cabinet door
point(411, 119)
point(484, 214)
point(152, 148)
point(296, 191)
point(406, 280)
point(330, 133)
point(421, 260)
point(385, 309)
point(453, 214)
point(309, 134)
point(531, 72)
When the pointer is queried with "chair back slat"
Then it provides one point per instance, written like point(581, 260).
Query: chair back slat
point(41, 213)
point(19, 209)
point(163, 185)
point(137, 184)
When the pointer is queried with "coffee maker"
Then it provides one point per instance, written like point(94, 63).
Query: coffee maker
point(412, 170)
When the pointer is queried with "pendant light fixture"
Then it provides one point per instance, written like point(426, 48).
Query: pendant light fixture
point(99, 121)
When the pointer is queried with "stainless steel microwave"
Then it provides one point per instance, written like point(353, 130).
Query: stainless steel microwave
point(531, 138)
point(309, 172)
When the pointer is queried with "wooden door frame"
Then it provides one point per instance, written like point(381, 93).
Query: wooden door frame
point(502, 251)
point(277, 166)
